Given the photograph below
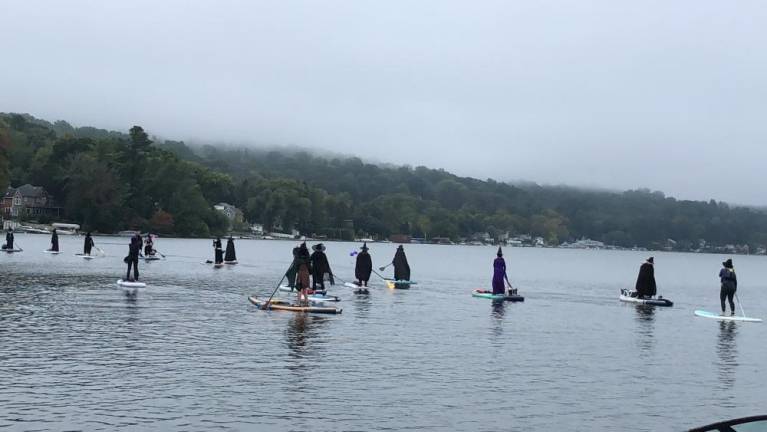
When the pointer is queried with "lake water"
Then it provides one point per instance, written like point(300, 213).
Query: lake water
point(190, 353)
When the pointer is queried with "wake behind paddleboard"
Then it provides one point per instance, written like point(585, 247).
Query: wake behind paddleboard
point(285, 306)
point(128, 284)
point(626, 296)
point(500, 297)
point(712, 315)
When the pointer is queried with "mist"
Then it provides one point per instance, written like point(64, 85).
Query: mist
point(609, 94)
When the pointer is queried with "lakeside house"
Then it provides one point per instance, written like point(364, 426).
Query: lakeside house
point(231, 212)
point(28, 201)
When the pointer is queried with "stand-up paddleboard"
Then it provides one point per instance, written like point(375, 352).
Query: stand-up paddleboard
point(52, 252)
point(219, 265)
point(320, 299)
point(128, 284)
point(631, 297)
point(230, 262)
point(716, 316)
point(83, 256)
point(12, 250)
point(357, 289)
point(152, 258)
point(286, 288)
point(500, 297)
point(285, 306)
point(399, 284)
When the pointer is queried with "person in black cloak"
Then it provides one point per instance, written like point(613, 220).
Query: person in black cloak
point(132, 259)
point(293, 270)
point(218, 252)
point(729, 285)
point(363, 266)
point(88, 246)
point(645, 286)
point(320, 267)
point(54, 241)
point(401, 267)
point(149, 246)
point(304, 269)
point(231, 256)
point(8, 240)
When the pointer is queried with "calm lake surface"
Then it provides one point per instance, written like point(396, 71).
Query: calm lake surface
point(190, 353)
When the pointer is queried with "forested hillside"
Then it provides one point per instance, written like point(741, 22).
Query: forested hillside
point(110, 181)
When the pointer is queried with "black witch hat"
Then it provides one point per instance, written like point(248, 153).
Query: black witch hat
point(364, 246)
point(500, 252)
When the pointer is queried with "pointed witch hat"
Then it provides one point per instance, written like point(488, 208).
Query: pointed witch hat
point(500, 252)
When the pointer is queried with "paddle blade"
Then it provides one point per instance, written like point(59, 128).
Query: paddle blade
point(381, 268)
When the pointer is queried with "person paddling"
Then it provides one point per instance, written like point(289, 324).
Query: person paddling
point(88, 246)
point(231, 256)
point(304, 269)
point(401, 267)
point(54, 241)
point(218, 253)
point(293, 270)
point(149, 246)
point(8, 240)
point(363, 266)
point(645, 286)
point(729, 285)
point(320, 267)
point(499, 274)
point(132, 259)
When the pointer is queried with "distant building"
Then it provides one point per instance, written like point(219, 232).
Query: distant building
point(257, 229)
point(231, 212)
point(28, 201)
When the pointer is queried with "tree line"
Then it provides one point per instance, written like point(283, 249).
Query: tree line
point(110, 181)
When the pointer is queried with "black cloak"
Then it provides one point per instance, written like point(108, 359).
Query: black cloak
point(230, 254)
point(401, 267)
point(321, 267)
point(364, 266)
point(646, 280)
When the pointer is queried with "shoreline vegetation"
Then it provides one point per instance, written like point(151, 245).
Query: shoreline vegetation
point(109, 181)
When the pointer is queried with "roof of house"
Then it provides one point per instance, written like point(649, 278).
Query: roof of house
point(26, 190)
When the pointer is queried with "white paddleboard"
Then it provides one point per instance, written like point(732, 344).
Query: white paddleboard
point(352, 285)
point(716, 316)
point(52, 252)
point(127, 284)
point(12, 250)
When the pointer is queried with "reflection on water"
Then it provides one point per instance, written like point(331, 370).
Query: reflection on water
point(645, 318)
point(727, 352)
point(497, 312)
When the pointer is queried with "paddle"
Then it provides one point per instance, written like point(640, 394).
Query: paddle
point(384, 267)
point(100, 251)
point(377, 274)
point(740, 304)
point(269, 302)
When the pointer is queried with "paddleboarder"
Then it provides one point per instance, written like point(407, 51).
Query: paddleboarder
point(293, 270)
point(8, 240)
point(132, 259)
point(88, 246)
point(645, 286)
point(54, 241)
point(363, 266)
point(499, 274)
point(149, 246)
point(231, 256)
point(218, 253)
point(304, 269)
point(401, 267)
point(320, 267)
point(729, 285)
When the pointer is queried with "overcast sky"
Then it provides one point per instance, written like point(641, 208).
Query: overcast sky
point(669, 95)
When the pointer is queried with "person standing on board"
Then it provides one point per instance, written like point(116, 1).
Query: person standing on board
point(304, 269)
point(218, 253)
point(132, 259)
point(645, 286)
point(401, 267)
point(363, 267)
point(54, 241)
point(499, 274)
point(293, 270)
point(8, 240)
point(88, 246)
point(231, 256)
point(729, 285)
point(149, 246)
point(320, 267)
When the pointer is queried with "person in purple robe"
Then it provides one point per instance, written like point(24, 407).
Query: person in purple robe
point(499, 274)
